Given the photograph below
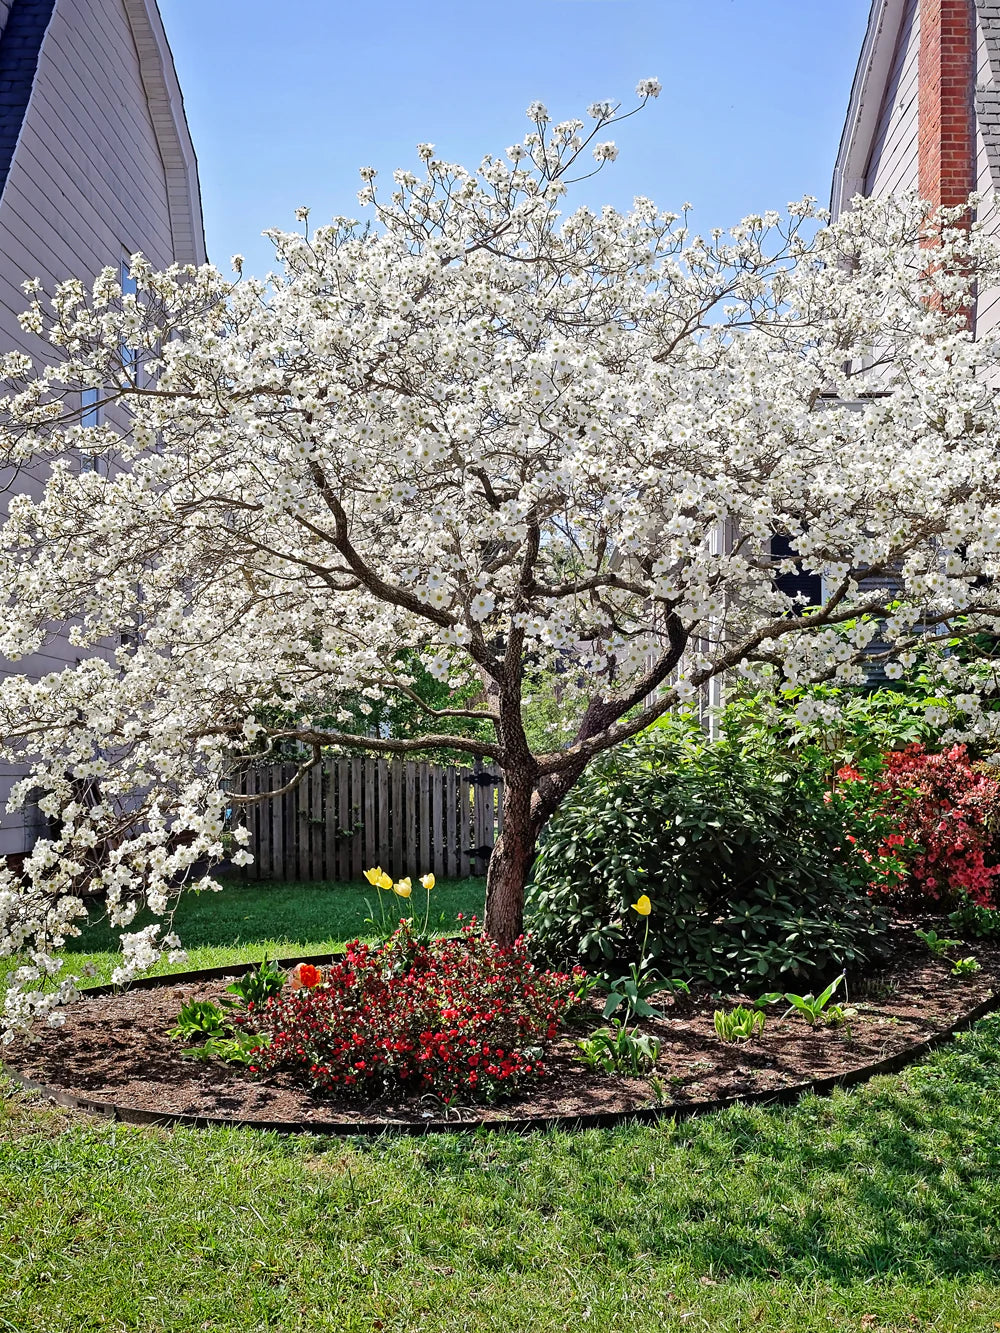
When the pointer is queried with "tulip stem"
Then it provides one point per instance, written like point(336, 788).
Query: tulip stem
point(642, 951)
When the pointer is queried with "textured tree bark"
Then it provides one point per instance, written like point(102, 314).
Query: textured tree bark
point(510, 862)
point(531, 798)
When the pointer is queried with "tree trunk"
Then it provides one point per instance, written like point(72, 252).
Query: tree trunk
point(510, 863)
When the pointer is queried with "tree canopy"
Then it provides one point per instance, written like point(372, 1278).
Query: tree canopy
point(495, 436)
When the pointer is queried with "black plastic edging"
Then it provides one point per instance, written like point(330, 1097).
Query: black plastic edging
point(205, 974)
point(645, 1115)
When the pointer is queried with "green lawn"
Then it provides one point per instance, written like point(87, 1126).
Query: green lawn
point(251, 921)
point(874, 1210)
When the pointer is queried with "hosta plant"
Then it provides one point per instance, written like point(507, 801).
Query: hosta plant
point(811, 1007)
point(199, 1018)
point(936, 944)
point(966, 967)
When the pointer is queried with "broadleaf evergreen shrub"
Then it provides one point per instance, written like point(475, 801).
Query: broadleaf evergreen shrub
point(742, 851)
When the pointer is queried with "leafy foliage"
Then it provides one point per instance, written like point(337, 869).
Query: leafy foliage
point(199, 1018)
point(635, 991)
point(739, 1024)
point(258, 985)
point(237, 1048)
point(619, 1050)
point(936, 944)
point(891, 756)
point(972, 919)
point(829, 727)
point(946, 811)
point(741, 854)
point(459, 1018)
point(811, 1007)
point(966, 967)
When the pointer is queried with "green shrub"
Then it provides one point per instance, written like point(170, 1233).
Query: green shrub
point(744, 858)
point(973, 921)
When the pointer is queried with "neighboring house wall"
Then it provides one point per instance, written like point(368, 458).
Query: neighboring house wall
point(988, 143)
point(935, 65)
point(892, 164)
point(102, 167)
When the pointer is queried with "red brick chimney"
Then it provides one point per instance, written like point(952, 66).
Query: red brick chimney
point(946, 127)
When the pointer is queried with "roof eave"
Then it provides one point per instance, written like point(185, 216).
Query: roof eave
point(867, 94)
point(166, 106)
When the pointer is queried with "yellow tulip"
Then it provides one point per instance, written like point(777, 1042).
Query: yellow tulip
point(374, 875)
point(384, 881)
point(428, 881)
point(643, 906)
point(404, 888)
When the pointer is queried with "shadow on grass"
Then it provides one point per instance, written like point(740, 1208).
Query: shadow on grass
point(306, 914)
point(900, 1178)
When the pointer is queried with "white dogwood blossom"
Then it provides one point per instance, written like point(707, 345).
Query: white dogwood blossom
point(491, 434)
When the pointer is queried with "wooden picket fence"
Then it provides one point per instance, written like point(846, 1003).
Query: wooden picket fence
point(349, 814)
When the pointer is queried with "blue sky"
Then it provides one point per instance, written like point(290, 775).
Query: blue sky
point(287, 99)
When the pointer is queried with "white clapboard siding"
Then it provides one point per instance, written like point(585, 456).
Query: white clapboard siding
point(892, 166)
point(103, 168)
point(987, 162)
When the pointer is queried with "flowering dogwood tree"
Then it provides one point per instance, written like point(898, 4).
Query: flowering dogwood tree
point(491, 435)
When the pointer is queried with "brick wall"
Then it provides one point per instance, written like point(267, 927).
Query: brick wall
point(946, 136)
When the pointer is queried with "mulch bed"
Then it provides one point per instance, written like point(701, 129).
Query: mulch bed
point(114, 1049)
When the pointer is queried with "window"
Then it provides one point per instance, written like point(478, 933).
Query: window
point(89, 400)
point(806, 587)
point(90, 415)
point(130, 355)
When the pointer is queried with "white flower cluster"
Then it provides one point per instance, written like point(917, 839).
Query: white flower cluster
point(503, 439)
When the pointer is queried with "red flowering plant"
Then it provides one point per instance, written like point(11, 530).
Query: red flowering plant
point(462, 1018)
point(872, 832)
point(938, 814)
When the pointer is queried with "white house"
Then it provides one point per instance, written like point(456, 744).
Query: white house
point(96, 162)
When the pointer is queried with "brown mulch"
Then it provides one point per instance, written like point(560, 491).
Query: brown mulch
point(115, 1049)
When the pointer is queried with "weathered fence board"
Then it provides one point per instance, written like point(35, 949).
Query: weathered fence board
point(348, 814)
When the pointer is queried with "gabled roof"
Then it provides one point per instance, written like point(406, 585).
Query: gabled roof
point(867, 92)
point(166, 106)
point(25, 24)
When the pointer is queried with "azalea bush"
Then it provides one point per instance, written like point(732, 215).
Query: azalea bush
point(464, 1019)
point(747, 866)
point(944, 813)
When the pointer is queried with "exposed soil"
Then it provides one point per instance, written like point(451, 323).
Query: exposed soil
point(114, 1049)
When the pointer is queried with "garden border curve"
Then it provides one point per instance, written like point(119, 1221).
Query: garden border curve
point(645, 1115)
